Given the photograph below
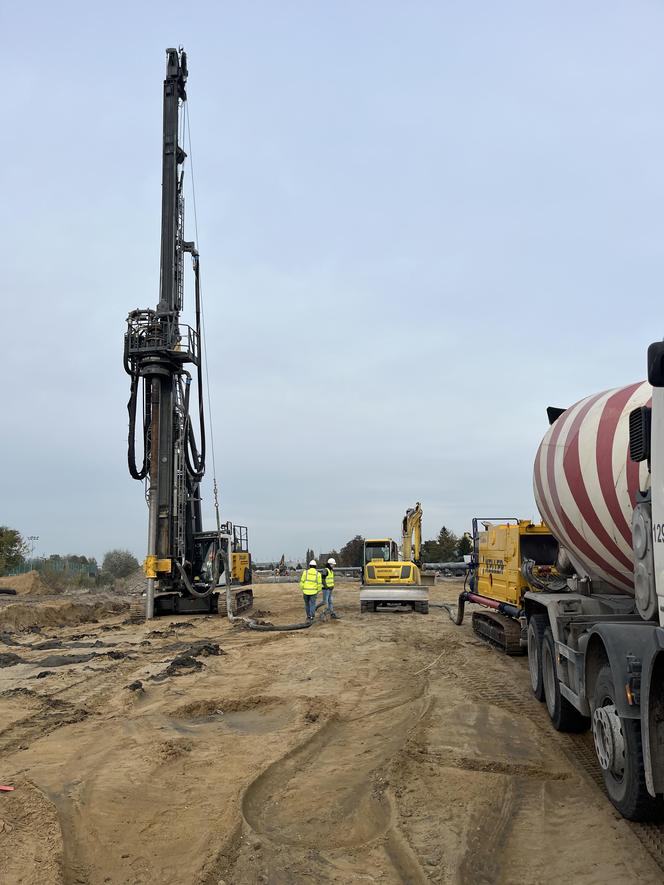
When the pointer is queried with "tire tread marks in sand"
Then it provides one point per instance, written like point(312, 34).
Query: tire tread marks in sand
point(331, 784)
point(578, 749)
point(486, 837)
point(53, 715)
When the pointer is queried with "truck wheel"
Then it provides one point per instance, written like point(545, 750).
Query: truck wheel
point(564, 716)
point(536, 627)
point(620, 755)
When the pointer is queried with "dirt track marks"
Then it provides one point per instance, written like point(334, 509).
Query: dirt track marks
point(328, 784)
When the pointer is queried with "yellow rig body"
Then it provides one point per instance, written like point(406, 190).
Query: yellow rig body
point(502, 550)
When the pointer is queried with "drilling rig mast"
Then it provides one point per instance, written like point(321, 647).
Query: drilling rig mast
point(183, 563)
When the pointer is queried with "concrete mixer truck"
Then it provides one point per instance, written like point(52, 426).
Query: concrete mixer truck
point(584, 591)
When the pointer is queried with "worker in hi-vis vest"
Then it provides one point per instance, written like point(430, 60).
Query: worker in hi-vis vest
point(310, 583)
point(328, 587)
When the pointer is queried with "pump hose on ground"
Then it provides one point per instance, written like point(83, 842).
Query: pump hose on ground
point(455, 616)
point(250, 623)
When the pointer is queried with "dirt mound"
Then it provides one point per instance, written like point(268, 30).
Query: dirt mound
point(208, 707)
point(66, 614)
point(30, 835)
point(29, 584)
point(133, 585)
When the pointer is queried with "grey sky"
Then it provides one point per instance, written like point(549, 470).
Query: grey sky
point(420, 224)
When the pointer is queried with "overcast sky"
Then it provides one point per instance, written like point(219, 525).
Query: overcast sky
point(420, 224)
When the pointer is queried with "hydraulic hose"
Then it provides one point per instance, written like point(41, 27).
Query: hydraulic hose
point(194, 459)
point(455, 616)
point(250, 623)
point(200, 594)
point(131, 439)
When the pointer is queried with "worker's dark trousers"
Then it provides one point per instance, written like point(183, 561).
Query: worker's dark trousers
point(310, 604)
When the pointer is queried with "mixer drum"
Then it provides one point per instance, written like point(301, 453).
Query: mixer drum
point(585, 483)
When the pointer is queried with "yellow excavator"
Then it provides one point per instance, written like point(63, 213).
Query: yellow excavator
point(390, 580)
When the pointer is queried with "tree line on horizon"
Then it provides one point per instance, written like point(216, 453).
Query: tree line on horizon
point(15, 556)
point(446, 547)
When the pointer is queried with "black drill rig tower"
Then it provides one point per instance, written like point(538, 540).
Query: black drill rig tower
point(183, 563)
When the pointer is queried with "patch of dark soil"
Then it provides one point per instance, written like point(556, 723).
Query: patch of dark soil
point(6, 639)
point(116, 655)
point(65, 660)
point(43, 674)
point(9, 659)
point(204, 648)
point(177, 665)
point(261, 613)
point(48, 643)
point(188, 660)
point(182, 624)
point(136, 686)
point(160, 633)
point(12, 692)
point(7, 591)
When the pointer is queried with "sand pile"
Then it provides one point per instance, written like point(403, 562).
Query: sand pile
point(29, 584)
point(63, 614)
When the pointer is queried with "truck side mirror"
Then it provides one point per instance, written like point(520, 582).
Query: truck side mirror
point(656, 364)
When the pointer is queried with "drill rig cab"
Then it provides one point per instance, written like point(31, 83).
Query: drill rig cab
point(183, 564)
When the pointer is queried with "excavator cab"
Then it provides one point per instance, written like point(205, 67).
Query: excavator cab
point(391, 580)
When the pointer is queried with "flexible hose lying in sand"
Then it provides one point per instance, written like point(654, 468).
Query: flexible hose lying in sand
point(250, 623)
point(456, 616)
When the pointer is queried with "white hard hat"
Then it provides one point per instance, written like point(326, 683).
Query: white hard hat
point(331, 561)
point(313, 562)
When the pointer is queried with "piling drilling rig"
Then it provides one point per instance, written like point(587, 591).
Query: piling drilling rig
point(184, 564)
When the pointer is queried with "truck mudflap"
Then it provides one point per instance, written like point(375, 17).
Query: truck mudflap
point(373, 597)
point(635, 654)
point(652, 715)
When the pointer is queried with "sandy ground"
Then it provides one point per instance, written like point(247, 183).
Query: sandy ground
point(385, 748)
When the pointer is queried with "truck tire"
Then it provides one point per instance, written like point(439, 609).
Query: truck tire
point(564, 717)
point(620, 754)
point(536, 627)
point(367, 607)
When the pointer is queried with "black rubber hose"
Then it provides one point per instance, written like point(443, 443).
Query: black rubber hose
point(269, 628)
point(455, 616)
point(199, 594)
point(131, 439)
point(200, 462)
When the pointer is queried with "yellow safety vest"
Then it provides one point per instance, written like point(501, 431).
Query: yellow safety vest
point(329, 578)
point(311, 581)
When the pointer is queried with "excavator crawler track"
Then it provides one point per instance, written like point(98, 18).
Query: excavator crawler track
point(499, 630)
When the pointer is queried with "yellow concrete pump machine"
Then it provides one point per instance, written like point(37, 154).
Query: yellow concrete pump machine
point(510, 557)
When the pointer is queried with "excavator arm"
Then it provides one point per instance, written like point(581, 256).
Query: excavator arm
point(411, 534)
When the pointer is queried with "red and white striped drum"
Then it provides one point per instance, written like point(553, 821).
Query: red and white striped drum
point(585, 483)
